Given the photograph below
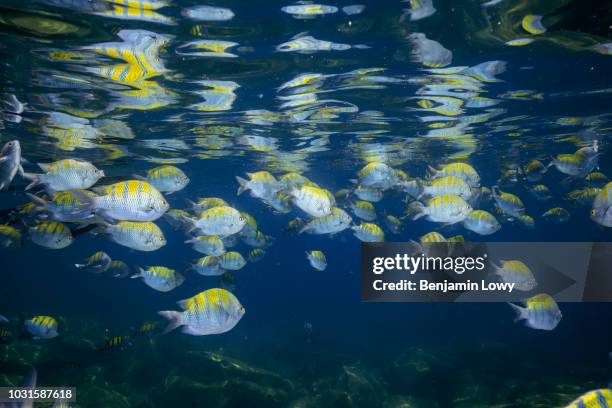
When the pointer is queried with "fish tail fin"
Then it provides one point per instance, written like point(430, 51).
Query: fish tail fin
point(520, 312)
point(87, 202)
point(419, 209)
point(34, 179)
point(431, 171)
point(137, 177)
point(175, 319)
point(362, 46)
point(37, 200)
point(243, 185)
point(80, 266)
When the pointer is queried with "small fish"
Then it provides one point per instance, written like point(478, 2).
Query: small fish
point(353, 9)
point(166, 179)
point(256, 255)
point(51, 234)
point(604, 49)
point(315, 201)
point(333, 223)
point(393, 223)
point(257, 240)
point(377, 175)
point(307, 44)
point(177, 218)
point(364, 210)
point(97, 263)
point(448, 185)
point(160, 278)
point(148, 329)
point(526, 221)
point(428, 52)
point(231, 261)
point(516, 272)
point(10, 237)
point(533, 24)
point(368, 232)
point(370, 194)
point(508, 203)
point(262, 185)
point(117, 343)
point(585, 196)
point(446, 208)
point(65, 206)
point(481, 222)
point(462, 170)
point(601, 212)
point(420, 9)
point(67, 174)
point(556, 215)
point(220, 221)
point(208, 13)
point(204, 204)
point(207, 48)
point(42, 327)
point(534, 170)
point(213, 311)
point(309, 10)
point(540, 192)
point(519, 42)
point(207, 266)
point(119, 269)
point(490, 3)
point(207, 245)
point(541, 312)
point(317, 260)
point(142, 236)
point(10, 163)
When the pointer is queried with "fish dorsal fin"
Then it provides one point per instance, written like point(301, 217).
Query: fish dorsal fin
point(183, 303)
point(300, 35)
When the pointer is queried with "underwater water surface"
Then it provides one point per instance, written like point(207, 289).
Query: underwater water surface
point(288, 113)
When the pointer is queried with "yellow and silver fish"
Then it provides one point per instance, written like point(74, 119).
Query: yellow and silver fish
point(67, 174)
point(368, 232)
point(208, 245)
point(96, 263)
point(51, 234)
point(166, 179)
point(213, 311)
point(42, 327)
point(221, 221)
point(132, 200)
point(541, 312)
point(142, 236)
point(160, 278)
point(317, 260)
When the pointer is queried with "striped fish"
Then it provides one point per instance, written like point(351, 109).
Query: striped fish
point(42, 327)
point(131, 200)
point(213, 311)
point(51, 234)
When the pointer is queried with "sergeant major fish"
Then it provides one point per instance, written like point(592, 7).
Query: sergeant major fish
point(213, 311)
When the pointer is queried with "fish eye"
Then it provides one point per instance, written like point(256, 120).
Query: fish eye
point(593, 212)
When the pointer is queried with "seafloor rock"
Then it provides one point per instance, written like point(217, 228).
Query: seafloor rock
point(354, 387)
point(102, 397)
point(225, 393)
point(401, 401)
point(415, 369)
point(223, 381)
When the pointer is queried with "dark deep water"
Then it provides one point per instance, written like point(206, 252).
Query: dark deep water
point(552, 98)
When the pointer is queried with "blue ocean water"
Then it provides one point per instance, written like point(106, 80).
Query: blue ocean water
point(306, 339)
